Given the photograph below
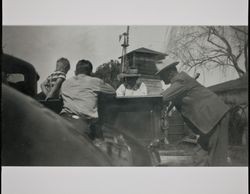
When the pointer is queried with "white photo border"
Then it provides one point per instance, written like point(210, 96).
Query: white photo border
point(125, 180)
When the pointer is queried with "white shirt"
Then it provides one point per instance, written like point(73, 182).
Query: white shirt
point(123, 91)
point(80, 95)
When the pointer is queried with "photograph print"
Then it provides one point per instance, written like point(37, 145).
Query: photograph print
point(124, 95)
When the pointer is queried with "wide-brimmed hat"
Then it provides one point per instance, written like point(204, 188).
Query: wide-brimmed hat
point(129, 74)
point(169, 63)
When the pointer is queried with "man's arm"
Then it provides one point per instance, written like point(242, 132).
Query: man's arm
point(106, 88)
point(54, 91)
point(176, 90)
point(180, 89)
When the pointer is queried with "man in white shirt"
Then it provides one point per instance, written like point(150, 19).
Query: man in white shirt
point(80, 94)
point(131, 86)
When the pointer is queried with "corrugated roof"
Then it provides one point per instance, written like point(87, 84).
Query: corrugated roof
point(240, 83)
point(145, 50)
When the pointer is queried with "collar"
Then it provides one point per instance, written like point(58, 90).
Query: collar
point(177, 76)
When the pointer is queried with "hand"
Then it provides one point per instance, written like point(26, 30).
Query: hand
point(169, 113)
point(170, 107)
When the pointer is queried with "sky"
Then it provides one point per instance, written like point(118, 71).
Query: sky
point(43, 45)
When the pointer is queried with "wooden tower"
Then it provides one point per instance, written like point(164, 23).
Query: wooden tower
point(144, 61)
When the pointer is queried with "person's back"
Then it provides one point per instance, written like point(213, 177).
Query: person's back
point(206, 107)
point(80, 95)
point(80, 98)
point(52, 85)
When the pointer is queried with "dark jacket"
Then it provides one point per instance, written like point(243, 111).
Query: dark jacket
point(200, 108)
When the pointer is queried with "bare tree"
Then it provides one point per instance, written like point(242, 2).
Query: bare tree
point(211, 47)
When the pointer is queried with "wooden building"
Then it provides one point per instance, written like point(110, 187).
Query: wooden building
point(235, 94)
point(233, 91)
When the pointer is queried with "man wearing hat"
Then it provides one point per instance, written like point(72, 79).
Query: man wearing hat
point(131, 86)
point(202, 110)
point(80, 94)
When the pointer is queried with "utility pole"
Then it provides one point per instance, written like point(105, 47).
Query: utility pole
point(167, 38)
point(124, 45)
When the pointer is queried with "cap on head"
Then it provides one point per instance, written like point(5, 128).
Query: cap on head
point(167, 67)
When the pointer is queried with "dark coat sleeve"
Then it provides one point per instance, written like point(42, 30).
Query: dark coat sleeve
point(176, 90)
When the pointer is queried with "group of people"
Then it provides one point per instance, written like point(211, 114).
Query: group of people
point(201, 109)
point(79, 94)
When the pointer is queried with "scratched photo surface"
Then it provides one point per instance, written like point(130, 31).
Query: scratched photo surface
point(125, 95)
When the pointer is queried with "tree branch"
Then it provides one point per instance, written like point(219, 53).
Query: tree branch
point(213, 43)
point(216, 33)
point(239, 30)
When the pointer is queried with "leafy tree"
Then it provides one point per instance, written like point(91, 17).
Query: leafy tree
point(108, 72)
point(211, 47)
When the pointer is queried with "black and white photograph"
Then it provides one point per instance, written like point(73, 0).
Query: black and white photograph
point(125, 96)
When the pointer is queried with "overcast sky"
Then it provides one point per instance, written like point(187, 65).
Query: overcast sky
point(43, 45)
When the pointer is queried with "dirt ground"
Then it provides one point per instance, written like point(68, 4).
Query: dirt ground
point(192, 155)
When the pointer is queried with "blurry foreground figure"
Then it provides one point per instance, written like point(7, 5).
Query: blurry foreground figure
point(32, 135)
